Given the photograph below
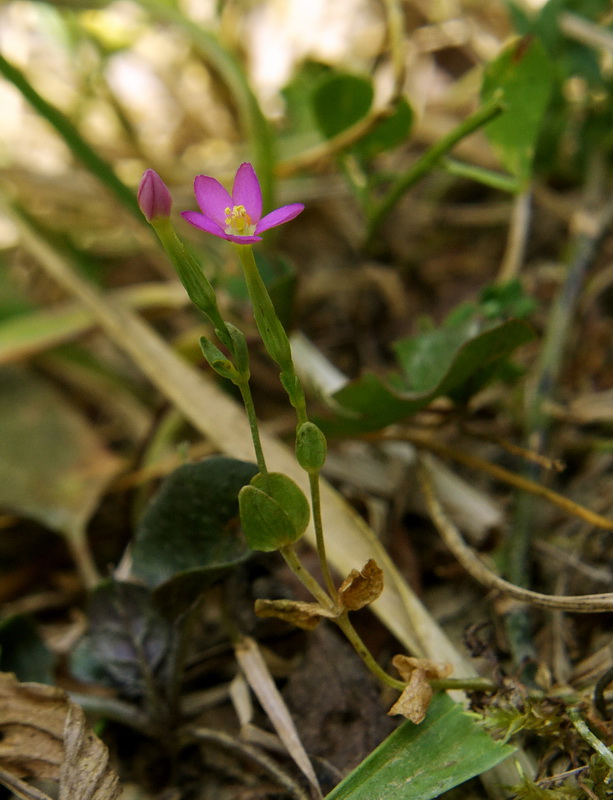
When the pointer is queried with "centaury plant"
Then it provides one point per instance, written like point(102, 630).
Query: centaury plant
point(274, 511)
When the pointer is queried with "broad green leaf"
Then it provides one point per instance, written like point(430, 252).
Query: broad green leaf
point(289, 495)
point(23, 651)
point(53, 467)
point(419, 762)
point(340, 101)
point(300, 129)
point(388, 133)
point(426, 358)
point(370, 402)
point(189, 535)
point(127, 639)
point(274, 511)
point(523, 73)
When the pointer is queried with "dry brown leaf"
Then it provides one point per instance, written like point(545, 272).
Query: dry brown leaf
point(406, 665)
point(86, 773)
point(31, 728)
point(359, 589)
point(415, 698)
point(298, 613)
point(43, 735)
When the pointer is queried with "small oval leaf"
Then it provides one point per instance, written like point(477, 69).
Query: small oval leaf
point(266, 525)
point(288, 495)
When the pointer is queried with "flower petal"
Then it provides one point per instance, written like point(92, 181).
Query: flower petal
point(242, 239)
point(204, 223)
point(279, 216)
point(212, 198)
point(246, 191)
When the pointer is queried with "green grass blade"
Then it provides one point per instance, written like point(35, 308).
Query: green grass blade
point(419, 762)
point(83, 151)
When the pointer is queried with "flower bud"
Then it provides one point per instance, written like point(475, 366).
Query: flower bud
point(154, 199)
point(310, 447)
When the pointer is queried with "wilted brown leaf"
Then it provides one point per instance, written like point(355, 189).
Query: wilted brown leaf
point(43, 735)
point(298, 613)
point(359, 589)
point(415, 698)
point(406, 665)
point(418, 672)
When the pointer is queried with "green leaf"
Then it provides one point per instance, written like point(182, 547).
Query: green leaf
point(388, 133)
point(23, 651)
point(127, 639)
point(419, 762)
point(340, 101)
point(274, 511)
point(189, 536)
point(266, 525)
point(370, 402)
point(289, 496)
point(523, 73)
point(426, 358)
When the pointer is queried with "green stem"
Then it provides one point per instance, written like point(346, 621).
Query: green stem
point(593, 741)
point(196, 284)
point(273, 334)
point(319, 533)
point(496, 180)
point(342, 620)
point(360, 648)
point(245, 391)
point(430, 159)
point(306, 579)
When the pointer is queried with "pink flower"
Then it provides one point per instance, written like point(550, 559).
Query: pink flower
point(154, 199)
point(237, 218)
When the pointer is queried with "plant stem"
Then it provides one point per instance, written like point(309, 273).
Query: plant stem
point(430, 159)
point(593, 741)
point(306, 579)
point(360, 648)
point(247, 397)
point(319, 533)
point(342, 620)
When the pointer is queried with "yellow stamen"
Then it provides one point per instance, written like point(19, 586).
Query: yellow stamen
point(238, 221)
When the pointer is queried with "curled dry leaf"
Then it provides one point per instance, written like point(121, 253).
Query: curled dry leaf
point(359, 589)
point(415, 698)
point(406, 665)
point(303, 615)
point(44, 735)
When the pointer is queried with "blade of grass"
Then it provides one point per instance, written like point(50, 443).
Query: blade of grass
point(33, 332)
point(79, 147)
